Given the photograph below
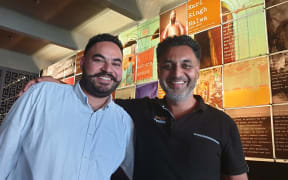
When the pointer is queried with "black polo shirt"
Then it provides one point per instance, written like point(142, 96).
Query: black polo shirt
point(201, 145)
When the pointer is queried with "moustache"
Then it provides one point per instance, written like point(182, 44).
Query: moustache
point(103, 74)
point(177, 79)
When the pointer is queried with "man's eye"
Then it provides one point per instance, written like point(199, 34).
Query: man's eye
point(186, 66)
point(98, 60)
point(116, 64)
point(166, 66)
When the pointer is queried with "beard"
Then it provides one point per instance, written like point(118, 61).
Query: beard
point(97, 91)
point(181, 95)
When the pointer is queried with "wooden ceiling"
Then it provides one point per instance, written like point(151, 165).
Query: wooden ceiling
point(64, 13)
point(28, 26)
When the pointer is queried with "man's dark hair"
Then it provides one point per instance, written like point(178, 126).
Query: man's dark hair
point(178, 41)
point(100, 38)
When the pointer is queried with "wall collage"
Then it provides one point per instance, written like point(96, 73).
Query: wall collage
point(244, 65)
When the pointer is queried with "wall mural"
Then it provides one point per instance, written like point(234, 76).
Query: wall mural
point(244, 65)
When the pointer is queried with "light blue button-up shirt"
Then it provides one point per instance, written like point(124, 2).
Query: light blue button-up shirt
point(52, 133)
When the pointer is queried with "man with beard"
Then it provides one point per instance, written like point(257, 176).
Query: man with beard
point(57, 131)
point(180, 137)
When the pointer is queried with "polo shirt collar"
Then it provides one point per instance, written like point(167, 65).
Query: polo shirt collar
point(200, 103)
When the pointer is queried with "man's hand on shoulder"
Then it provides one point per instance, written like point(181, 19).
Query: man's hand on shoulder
point(237, 177)
point(37, 80)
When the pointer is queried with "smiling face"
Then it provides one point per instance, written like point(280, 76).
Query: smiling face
point(102, 69)
point(178, 71)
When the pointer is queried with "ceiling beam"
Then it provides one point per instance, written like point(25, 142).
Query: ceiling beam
point(128, 8)
point(18, 61)
point(17, 22)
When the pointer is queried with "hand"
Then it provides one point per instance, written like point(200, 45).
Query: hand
point(37, 80)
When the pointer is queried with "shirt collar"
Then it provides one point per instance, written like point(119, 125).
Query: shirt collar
point(84, 99)
point(200, 103)
point(199, 106)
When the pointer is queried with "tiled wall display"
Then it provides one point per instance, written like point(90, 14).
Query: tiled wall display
point(209, 86)
point(11, 82)
point(246, 83)
point(149, 90)
point(254, 125)
point(244, 65)
point(126, 93)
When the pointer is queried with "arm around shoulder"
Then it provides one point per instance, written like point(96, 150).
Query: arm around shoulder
point(128, 162)
point(237, 177)
point(37, 80)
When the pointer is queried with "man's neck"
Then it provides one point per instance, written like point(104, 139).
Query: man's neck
point(181, 108)
point(96, 102)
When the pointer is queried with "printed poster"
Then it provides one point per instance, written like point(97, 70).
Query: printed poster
point(235, 9)
point(63, 68)
point(209, 87)
point(202, 14)
point(69, 80)
point(210, 43)
point(277, 27)
point(254, 126)
point(128, 70)
point(69, 66)
point(78, 59)
point(149, 37)
point(279, 77)
point(274, 2)
point(146, 66)
point(161, 92)
point(56, 70)
point(125, 93)
point(129, 41)
point(280, 123)
point(148, 34)
point(173, 22)
point(149, 90)
point(246, 83)
point(244, 38)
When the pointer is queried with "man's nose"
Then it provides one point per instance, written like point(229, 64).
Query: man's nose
point(177, 71)
point(107, 67)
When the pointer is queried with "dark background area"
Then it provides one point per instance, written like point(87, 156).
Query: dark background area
point(267, 170)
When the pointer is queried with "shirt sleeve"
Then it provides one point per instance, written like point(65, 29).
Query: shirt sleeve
point(128, 162)
point(233, 160)
point(12, 132)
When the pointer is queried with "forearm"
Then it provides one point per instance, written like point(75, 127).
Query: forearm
point(237, 177)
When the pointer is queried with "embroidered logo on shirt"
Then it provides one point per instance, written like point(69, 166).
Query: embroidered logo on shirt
point(161, 120)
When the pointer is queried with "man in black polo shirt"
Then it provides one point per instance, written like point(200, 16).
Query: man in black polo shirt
point(180, 137)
